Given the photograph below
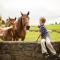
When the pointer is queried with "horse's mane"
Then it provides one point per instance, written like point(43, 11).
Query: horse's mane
point(20, 23)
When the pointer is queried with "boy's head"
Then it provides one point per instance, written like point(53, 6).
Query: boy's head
point(42, 20)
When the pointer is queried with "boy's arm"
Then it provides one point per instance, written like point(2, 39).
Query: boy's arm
point(34, 30)
point(49, 30)
point(56, 31)
point(6, 28)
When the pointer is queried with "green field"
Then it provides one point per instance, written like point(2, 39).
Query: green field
point(32, 36)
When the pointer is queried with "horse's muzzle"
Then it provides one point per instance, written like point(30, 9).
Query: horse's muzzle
point(27, 27)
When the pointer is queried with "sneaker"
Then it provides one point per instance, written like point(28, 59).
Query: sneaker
point(59, 55)
point(56, 56)
point(46, 55)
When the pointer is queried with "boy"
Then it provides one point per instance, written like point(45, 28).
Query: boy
point(45, 39)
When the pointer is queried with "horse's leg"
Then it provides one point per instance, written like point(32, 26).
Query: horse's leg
point(1, 37)
point(14, 35)
point(23, 35)
point(17, 39)
point(22, 39)
point(14, 38)
point(10, 38)
point(5, 38)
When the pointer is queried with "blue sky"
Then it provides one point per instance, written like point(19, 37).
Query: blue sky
point(47, 8)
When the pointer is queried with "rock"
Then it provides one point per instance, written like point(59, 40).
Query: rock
point(24, 51)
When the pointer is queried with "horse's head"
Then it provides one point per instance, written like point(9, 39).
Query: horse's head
point(11, 21)
point(25, 20)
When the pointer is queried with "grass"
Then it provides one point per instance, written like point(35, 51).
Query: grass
point(52, 27)
point(32, 36)
point(55, 36)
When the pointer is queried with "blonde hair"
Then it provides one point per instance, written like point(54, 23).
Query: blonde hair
point(42, 19)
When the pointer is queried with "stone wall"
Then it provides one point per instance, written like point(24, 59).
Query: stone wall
point(23, 50)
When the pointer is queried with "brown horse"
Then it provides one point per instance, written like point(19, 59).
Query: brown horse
point(6, 33)
point(10, 21)
point(17, 29)
point(21, 25)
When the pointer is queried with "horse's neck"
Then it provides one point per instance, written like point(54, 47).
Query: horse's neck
point(18, 26)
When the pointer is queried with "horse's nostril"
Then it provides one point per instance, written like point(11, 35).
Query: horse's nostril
point(27, 27)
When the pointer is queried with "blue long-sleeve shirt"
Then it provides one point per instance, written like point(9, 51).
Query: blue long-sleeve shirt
point(43, 31)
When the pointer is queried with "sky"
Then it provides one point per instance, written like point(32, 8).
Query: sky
point(50, 9)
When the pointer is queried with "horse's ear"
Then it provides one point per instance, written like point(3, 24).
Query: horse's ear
point(21, 13)
point(28, 13)
point(15, 18)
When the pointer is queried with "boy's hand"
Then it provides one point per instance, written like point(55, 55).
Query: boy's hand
point(34, 30)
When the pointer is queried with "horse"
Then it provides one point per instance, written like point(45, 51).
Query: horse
point(10, 21)
point(20, 27)
point(16, 29)
point(6, 33)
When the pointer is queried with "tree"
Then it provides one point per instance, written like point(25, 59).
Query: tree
point(59, 23)
point(55, 22)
